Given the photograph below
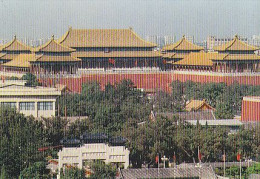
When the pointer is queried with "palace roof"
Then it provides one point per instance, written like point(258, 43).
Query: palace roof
point(234, 57)
point(199, 59)
point(53, 46)
point(53, 58)
point(103, 38)
point(235, 45)
point(7, 57)
point(182, 45)
point(195, 105)
point(116, 54)
point(21, 61)
point(173, 55)
point(15, 45)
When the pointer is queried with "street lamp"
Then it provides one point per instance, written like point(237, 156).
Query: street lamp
point(164, 159)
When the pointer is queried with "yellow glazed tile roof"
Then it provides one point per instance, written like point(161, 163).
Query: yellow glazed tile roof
point(103, 38)
point(196, 105)
point(199, 59)
point(172, 55)
point(47, 58)
point(116, 54)
point(232, 57)
point(15, 45)
point(8, 57)
point(53, 46)
point(21, 61)
point(182, 44)
point(235, 45)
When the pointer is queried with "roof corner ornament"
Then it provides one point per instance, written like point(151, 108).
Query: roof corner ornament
point(70, 28)
point(183, 36)
point(236, 36)
point(52, 37)
point(14, 37)
point(130, 28)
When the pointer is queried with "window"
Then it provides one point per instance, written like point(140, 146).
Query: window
point(26, 106)
point(9, 104)
point(45, 106)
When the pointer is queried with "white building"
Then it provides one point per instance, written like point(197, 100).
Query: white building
point(76, 156)
point(36, 101)
point(169, 39)
point(80, 153)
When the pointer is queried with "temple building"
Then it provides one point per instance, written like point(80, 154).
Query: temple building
point(111, 48)
point(196, 61)
point(236, 56)
point(232, 57)
point(50, 58)
point(198, 105)
point(12, 49)
point(177, 51)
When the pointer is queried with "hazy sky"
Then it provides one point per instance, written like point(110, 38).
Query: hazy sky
point(42, 18)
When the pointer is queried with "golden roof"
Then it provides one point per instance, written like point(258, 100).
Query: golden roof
point(232, 57)
point(172, 55)
point(50, 58)
point(235, 45)
point(199, 59)
point(5, 56)
point(116, 54)
point(182, 44)
point(53, 46)
point(103, 38)
point(14, 45)
point(21, 61)
point(196, 105)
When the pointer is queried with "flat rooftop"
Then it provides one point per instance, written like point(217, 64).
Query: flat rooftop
point(252, 98)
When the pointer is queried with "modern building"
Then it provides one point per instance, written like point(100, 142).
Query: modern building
point(169, 39)
point(251, 109)
point(36, 101)
point(80, 153)
point(111, 48)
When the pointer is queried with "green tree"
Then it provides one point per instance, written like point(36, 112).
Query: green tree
point(37, 171)
point(102, 170)
point(3, 174)
point(20, 139)
point(254, 169)
point(74, 173)
point(31, 80)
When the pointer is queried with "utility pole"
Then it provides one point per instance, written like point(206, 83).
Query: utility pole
point(224, 158)
point(240, 169)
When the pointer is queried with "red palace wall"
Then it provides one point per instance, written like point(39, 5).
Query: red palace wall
point(250, 110)
point(159, 80)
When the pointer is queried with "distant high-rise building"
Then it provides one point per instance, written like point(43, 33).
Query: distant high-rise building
point(155, 39)
point(169, 39)
point(255, 40)
point(190, 38)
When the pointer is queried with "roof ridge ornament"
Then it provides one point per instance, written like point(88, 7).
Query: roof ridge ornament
point(183, 36)
point(14, 37)
point(52, 37)
point(236, 36)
